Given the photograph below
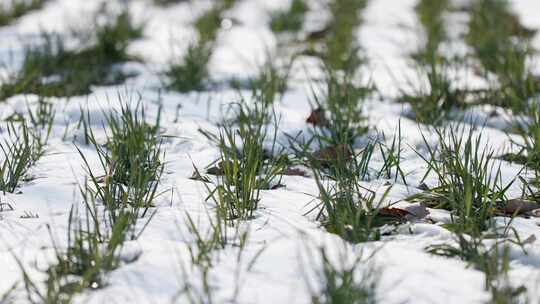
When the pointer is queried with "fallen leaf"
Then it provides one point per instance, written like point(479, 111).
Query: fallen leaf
point(328, 155)
point(319, 34)
point(409, 213)
point(493, 114)
point(295, 172)
point(317, 118)
point(531, 239)
point(218, 169)
point(215, 170)
point(423, 187)
point(198, 177)
point(519, 206)
point(277, 186)
point(393, 212)
point(417, 211)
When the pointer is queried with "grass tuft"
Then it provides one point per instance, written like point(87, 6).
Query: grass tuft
point(89, 256)
point(502, 45)
point(21, 149)
point(346, 207)
point(469, 183)
point(528, 130)
point(130, 161)
point(342, 102)
point(18, 8)
point(249, 169)
point(345, 284)
point(492, 260)
point(431, 17)
point(341, 51)
point(391, 155)
point(191, 72)
point(50, 69)
point(127, 190)
point(433, 103)
point(291, 19)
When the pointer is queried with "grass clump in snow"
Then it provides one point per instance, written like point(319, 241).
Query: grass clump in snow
point(133, 145)
point(336, 43)
point(250, 168)
point(130, 162)
point(469, 184)
point(18, 8)
point(338, 122)
point(208, 24)
point(291, 19)
point(341, 105)
point(431, 17)
point(392, 157)
point(341, 119)
point(249, 159)
point(337, 114)
point(204, 245)
point(345, 283)
point(470, 187)
point(341, 51)
point(502, 45)
point(94, 248)
point(91, 254)
point(270, 83)
point(191, 72)
point(347, 208)
point(51, 69)
point(20, 150)
point(433, 101)
point(528, 130)
point(493, 260)
point(41, 119)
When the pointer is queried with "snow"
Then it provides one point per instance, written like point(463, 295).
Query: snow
point(281, 229)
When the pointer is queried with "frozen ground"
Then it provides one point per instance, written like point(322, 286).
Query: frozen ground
point(286, 236)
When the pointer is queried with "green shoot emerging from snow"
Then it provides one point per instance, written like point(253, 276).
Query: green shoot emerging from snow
point(18, 8)
point(469, 183)
point(191, 72)
point(131, 165)
point(249, 169)
point(50, 69)
point(502, 45)
point(290, 20)
point(345, 283)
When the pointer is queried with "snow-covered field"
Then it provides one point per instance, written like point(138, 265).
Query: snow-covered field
point(280, 262)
